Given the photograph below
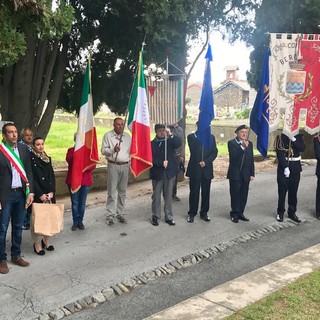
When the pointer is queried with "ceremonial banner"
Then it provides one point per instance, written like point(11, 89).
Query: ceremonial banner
point(259, 116)
point(294, 82)
point(139, 124)
point(165, 99)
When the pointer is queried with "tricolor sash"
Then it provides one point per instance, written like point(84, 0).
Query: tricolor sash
point(16, 163)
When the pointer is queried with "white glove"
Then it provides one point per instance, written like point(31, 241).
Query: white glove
point(293, 139)
point(287, 172)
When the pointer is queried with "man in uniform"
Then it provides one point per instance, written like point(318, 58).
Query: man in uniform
point(288, 173)
point(240, 172)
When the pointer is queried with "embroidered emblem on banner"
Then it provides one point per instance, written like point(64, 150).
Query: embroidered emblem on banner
point(295, 82)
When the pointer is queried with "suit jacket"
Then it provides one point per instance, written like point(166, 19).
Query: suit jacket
point(157, 171)
point(43, 175)
point(282, 149)
point(194, 171)
point(316, 144)
point(6, 173)
point(241, 164)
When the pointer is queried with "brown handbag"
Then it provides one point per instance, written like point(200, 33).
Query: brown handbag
point(47, 218)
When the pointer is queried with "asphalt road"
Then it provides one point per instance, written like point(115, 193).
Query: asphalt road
point(85, 262)
point(218, 269)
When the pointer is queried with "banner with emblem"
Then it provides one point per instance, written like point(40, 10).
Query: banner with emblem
point(294, 82)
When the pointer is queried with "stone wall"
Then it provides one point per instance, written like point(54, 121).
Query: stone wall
point(222, 133)
point(99, 179)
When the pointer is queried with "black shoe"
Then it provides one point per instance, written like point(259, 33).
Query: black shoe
point(74, 227)
point(26, 227)
point(81, 226)
point(49, 248)
point(190, 219)
point(234, 219)
point(175, 198)
point(243, 218)
point(318, 217)
point(39, 253)
point(294, 218)
point(170, 222)
point(280, 218)
point(207, 219)
point(154, 221)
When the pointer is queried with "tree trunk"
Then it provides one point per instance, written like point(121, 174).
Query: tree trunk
point(22, 81)
point(30, 88)
point(47, 117)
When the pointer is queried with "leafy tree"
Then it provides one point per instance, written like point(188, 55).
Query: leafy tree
point(165, 26)
point(52, 47)
point(291, 16)
point(34, 69)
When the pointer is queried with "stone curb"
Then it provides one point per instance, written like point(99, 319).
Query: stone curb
point(128, 285)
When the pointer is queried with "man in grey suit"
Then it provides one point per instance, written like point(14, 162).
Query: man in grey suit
point(16, 193)
point(240, 172)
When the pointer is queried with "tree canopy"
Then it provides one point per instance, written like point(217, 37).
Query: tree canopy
point(292, 16)
point(48, 48)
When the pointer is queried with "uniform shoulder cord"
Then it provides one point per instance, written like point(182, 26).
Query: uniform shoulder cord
point(279, 145)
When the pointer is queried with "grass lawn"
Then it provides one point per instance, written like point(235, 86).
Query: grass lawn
point(297, 301)
point(60, 138)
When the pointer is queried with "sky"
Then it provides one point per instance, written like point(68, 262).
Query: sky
point(224, 54)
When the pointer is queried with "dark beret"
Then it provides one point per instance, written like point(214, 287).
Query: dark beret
point(159, 126)
point(243, 126)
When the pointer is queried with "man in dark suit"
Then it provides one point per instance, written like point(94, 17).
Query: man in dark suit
point(240, 172)
point(16, 193)
point(163, 172)
point(316, 144)
point(288, 173)
point(200, 173)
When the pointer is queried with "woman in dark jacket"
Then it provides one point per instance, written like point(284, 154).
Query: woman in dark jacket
point(44, 188)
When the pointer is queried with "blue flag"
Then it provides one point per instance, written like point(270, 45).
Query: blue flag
point(206, 114)
point(259, 117)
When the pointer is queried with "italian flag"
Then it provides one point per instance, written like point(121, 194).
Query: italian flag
point(86, 147)
point(139, 124)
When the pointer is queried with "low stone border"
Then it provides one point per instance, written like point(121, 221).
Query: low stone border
point(127, 286)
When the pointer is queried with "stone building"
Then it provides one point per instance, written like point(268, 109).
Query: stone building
point(233, 94)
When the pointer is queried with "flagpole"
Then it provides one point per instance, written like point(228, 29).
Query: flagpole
point(121, 135)
point(165, 144)
point(127, 111)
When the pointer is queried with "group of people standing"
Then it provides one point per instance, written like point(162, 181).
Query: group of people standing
point(200, 173)
point(166, 156)
point(27, 176)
